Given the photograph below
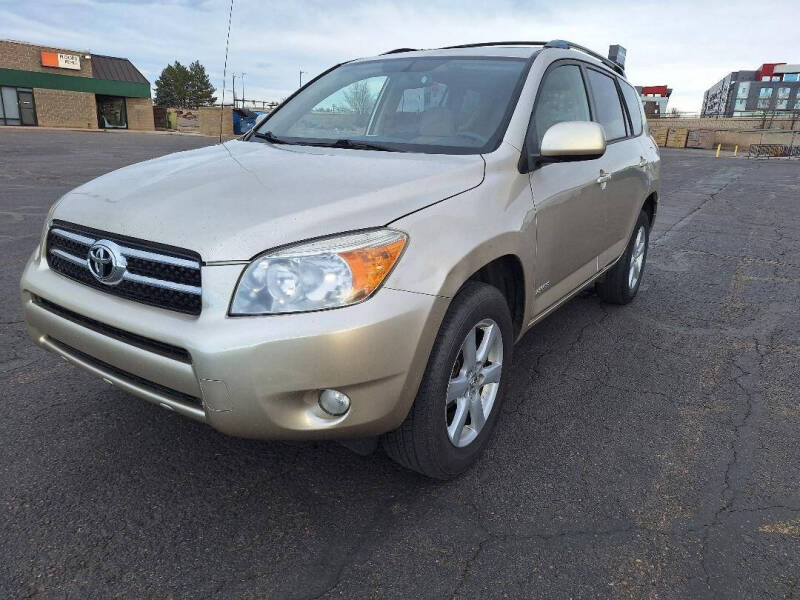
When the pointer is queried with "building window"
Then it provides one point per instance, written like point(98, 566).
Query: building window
point(797, 105)
point(17, 106)
point(791, 77)
point(784, 92)
point(741, 103)
point(744, 90)
point(782, 104)
point(765, 78)
point(765, 92)
point(111, 113)
point(776, 78)
point(9, 109)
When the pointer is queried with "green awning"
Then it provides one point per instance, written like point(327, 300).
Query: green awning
point(53, 81)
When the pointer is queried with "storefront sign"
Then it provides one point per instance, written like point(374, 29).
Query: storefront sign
point(61, 61)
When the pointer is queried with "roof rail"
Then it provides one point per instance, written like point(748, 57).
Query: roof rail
point(399, 50)
point(561, 44)
point(485, 44)
point(565, 45)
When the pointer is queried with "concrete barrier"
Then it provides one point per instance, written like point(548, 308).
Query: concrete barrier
point(743, 139)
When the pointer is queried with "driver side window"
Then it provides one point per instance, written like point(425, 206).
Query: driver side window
point(562, 97)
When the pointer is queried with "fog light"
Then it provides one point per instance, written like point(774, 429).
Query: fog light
point(334, 403)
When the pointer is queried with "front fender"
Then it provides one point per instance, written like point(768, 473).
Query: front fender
point(452, 240)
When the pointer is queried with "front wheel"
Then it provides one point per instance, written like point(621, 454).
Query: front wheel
point(620, 284)
point(458, 402)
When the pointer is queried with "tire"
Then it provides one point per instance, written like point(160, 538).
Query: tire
point(429, 441)
point(618, 285)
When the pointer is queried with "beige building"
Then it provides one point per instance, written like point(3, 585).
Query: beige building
point(55, 87)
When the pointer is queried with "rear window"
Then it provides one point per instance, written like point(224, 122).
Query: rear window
point(634, 106)
point(609, 110)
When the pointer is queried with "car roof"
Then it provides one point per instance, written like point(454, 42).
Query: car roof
point(524, 52)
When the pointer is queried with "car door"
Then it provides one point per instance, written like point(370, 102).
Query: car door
point(568, 200)
point(623, 161)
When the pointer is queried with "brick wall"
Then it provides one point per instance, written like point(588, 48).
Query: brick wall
point(140, 114)
point(27, 57)
point(60, 108)
point(738, 123)
point(728, 138)
point(209, 121)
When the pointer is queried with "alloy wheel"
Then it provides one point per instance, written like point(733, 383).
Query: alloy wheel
point(637, 257)
point(474, 382)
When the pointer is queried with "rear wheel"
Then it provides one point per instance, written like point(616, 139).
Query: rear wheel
point(458, 402)
point(620, 284)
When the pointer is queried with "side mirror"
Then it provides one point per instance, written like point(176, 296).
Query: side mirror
point(573, 140)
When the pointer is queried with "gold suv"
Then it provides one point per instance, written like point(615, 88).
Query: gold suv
point(359, 266)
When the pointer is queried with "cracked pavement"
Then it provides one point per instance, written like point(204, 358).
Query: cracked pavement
point(645, 451)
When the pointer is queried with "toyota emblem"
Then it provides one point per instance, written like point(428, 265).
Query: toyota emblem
point(106, 262)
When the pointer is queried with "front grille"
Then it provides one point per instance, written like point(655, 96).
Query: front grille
point(122, 374)
point(157, 275)
point(133, 339)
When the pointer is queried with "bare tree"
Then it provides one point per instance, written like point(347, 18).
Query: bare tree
point(358, 97)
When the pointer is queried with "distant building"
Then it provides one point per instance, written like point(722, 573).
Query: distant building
point(55, 87)
point(773, 87)
point(654, 99)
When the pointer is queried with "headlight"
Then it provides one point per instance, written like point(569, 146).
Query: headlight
point(48, 220)
point(325, 273)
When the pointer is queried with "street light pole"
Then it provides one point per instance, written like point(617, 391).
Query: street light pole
point(243, 96)
point(301, 76)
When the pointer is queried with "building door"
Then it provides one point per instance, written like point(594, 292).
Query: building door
point(27, 109)
point(111, 113)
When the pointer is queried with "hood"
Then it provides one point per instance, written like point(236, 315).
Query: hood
point(235, 200)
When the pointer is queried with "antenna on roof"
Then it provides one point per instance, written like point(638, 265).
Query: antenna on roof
point(225, 73)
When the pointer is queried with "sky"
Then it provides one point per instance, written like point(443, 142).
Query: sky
point(686, 45)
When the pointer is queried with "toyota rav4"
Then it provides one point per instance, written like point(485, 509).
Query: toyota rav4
point(359, 266)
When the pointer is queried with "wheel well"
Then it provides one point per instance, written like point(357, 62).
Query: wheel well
point(505, 273)
point(650, 207)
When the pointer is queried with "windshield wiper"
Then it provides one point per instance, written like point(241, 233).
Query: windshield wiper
point(355, 145)
point(269, 137)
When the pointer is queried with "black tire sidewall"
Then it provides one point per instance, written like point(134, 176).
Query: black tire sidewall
point(641, 222)
point(473, 304)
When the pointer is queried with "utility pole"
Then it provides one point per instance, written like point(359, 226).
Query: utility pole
point(301, 76)
point(243, 96)
point(234, 90)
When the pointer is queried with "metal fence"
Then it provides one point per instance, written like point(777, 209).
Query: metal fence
point(773, 151)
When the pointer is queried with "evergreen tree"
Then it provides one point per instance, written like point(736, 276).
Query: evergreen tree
point(201, 92)
point(179, 87)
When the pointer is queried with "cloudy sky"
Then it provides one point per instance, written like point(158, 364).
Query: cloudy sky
point(688, 45)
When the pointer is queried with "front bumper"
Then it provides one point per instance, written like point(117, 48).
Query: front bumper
point(256, 377)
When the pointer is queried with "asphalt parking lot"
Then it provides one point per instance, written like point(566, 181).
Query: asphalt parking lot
point(645, 451)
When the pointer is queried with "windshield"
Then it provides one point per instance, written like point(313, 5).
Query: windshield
point(437, 105)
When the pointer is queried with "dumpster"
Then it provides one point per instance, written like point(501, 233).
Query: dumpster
point(243, 120)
